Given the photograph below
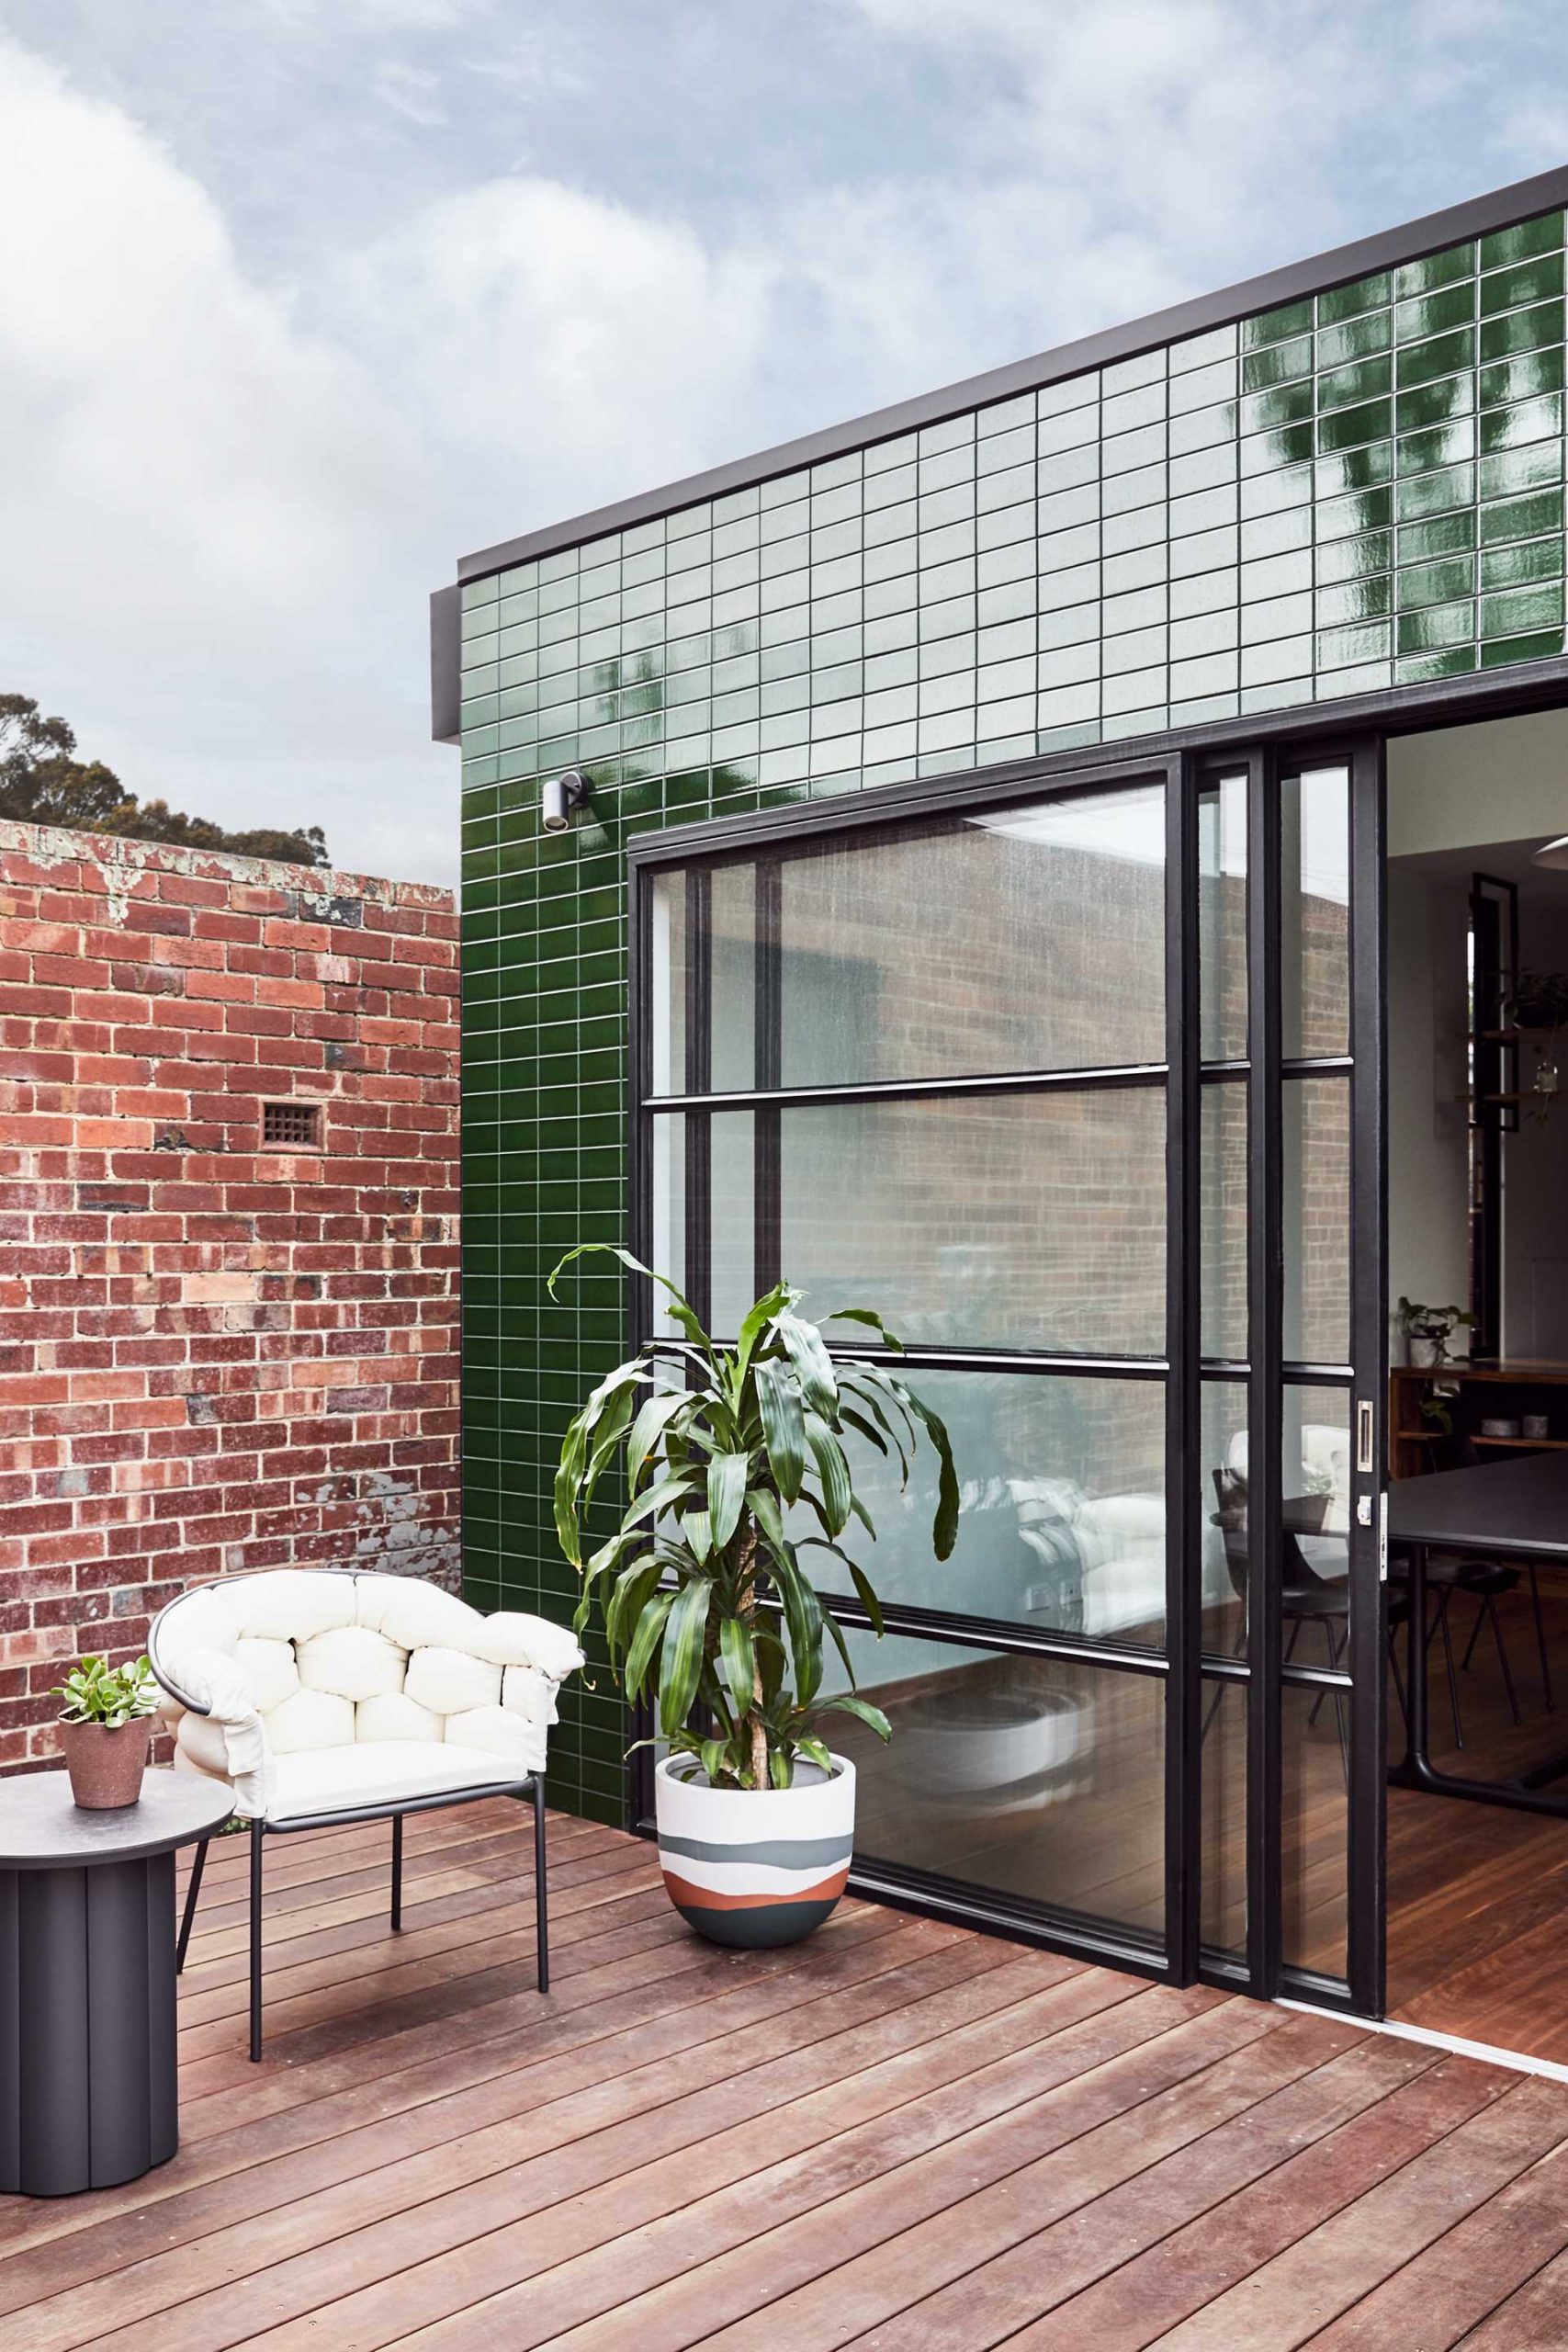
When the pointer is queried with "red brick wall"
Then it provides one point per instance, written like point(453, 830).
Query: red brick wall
point(215, 1357)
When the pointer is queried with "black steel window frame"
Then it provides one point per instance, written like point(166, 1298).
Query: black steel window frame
point(1182, 1665)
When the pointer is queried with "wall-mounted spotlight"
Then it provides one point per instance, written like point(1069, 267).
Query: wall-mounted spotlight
point(1552, 852)
point(560, 796)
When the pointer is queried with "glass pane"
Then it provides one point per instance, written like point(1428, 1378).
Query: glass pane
point(1315, 1486)
point(732, 930)
point(1222, 919)
point(1062, 1525)
point(1222, 1897)
point(1037, 1778)
point(1223, 1197)
point(667, 1243)
point(734, 1279)
point(1314, 1827)
point(1016, 1221)
point(1224, 1517)
point(1314, 912)
point(667, 992)
point(1027, 939)
point(1316, 1212)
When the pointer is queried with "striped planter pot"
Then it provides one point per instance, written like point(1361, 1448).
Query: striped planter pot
point(754, 1867)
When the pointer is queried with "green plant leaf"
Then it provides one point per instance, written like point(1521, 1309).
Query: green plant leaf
point(739, 1661)
point(649, 1428)
point(681, 1308)
point(781, 1770)
point(645, 1641)
point(872, 1320)
point(756, 1320)
point(783, 1427)
point(682, 1653)
point(813, 1365)
point(815, 1751)
point(833, 1470)
point(868, 1714)
point(727, 1492)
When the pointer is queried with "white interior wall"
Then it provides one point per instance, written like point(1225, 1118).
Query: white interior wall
point(1428, 1160)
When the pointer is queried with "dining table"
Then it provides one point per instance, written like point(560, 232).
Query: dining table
point(1512, 1509)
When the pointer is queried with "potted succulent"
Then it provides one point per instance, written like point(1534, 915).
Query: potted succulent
point(1428, 1329)
point(105, 1731)
point(735, 1468)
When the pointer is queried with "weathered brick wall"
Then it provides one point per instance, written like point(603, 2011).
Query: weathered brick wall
point(215, 1356)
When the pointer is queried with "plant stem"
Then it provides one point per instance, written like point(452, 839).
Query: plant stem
point(756, 1729)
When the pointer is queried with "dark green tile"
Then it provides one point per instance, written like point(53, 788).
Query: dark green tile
point(1505, 246)
point(1363, 380)
point(1528, 281)
point(1527, 421)
point(1350, 301)
point(1287, 405)
point(1353, 600)
point(1345, 428)
point(1357, 339)
point(1277, 326)
point(1540, 645)
point(1354, 558)
point(1521, 565)
point(1529, 330)
point(1432, 404)
point(1521, 518)
point(1436, 626)
point(1451, 534)
point(1522, 611)
point(1281, 363)
point(1437, 313)
point(1445, 269)
point(1441, 355)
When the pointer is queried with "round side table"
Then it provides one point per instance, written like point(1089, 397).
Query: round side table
point(88, 2090)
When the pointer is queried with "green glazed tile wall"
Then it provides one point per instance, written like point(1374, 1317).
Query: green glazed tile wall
point(1355, 491)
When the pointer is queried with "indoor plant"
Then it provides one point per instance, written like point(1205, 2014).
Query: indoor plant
point(1428, 1329)
point(105, 1729)
point(708, 1608)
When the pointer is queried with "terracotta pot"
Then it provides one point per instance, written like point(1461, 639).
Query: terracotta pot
point(754, 1867)
point(105, 1767)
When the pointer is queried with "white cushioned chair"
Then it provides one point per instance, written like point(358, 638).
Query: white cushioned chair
point(327, 1695)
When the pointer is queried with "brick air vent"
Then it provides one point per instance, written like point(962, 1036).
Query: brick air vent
point(292, 1126)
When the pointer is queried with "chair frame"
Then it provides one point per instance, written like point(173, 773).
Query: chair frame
point(529, 1790)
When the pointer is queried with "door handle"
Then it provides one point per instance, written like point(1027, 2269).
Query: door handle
point(1364, 1435)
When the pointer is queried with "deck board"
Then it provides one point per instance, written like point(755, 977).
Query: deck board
point(900, 2134)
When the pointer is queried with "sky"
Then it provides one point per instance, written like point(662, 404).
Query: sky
point(301, 299)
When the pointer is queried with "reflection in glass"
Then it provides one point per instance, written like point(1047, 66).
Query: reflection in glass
point(1223, 1197)
point(1027, 938)
point(1222, 1897)
point(1314, 912)
point(1222, 1438)
point(1062, 1520)
point(1222, 919)
point(667, 995)
point(733, 1278)
point(1313, 1827)
point(732, 930)
point(1034, 1777)
point(1023, 1220)
point(1315, 1484)
point(1314, 1149)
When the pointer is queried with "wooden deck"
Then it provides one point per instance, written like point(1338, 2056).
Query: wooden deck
point(900, 2134)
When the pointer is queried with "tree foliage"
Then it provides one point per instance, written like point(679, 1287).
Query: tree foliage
point(706, 1601)
point(43, 783)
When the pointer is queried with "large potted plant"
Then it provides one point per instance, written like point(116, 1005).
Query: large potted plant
point(106, 1729)
point(734, 1467)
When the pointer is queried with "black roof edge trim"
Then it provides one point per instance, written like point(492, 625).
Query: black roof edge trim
point(1475, 217)
point(446, 665)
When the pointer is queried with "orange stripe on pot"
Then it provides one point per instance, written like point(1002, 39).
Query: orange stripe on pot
point(704, 1898)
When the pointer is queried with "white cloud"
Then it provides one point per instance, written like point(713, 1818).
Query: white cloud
point(198, 497)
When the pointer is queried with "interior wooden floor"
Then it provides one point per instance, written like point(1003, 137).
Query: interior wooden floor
point(900, 2133)
point(1478, 1897)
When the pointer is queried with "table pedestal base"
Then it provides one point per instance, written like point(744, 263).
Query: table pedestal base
point(88, 2093)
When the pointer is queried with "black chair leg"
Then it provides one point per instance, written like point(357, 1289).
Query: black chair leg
point(257, 1835)
point(396, 1872)
point(1442, 1627)
point(1501, 1655)
point(188, 1917)
point(541, 1901)
point(1540, 1643)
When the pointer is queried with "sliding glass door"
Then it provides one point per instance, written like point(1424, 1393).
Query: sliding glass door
point(1015, 1072)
